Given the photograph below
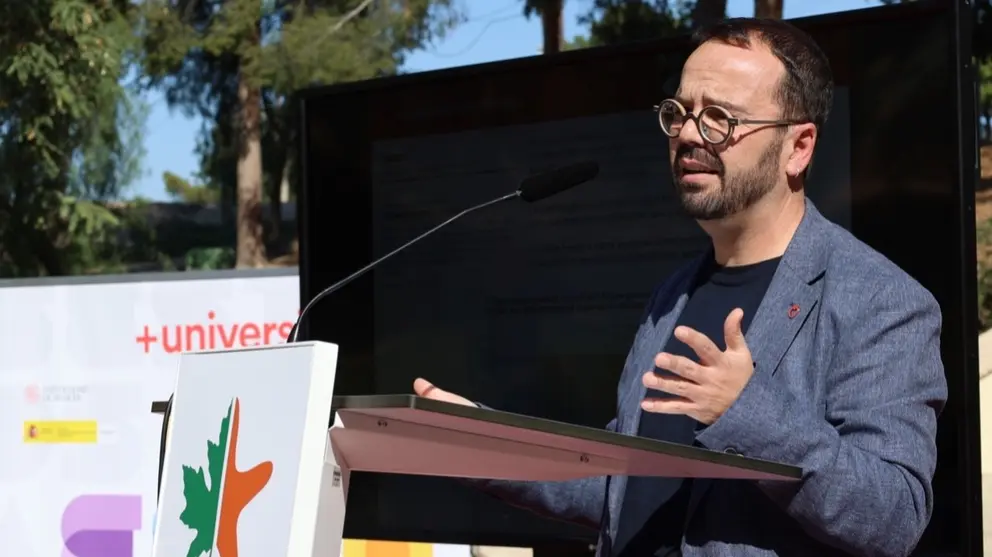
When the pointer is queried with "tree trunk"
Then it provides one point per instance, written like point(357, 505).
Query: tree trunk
point(707, 12)
point(278, 196)
point(275, 208)
point(551, 25)
point(768, 8)
point(274, 119)
point(251, 239)
point(286, 184)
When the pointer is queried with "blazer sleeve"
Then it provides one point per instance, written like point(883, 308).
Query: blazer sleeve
point(868, 466)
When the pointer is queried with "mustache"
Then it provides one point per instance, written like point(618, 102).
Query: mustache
point(700, 155)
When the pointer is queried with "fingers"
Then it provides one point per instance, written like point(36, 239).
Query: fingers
point(707, 351)
point(679, 365)
point(675, 405)
point(732, 333)
point(676, 386)
point(426, 389)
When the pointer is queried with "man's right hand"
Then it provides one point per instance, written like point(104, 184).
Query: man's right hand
point(426, 389)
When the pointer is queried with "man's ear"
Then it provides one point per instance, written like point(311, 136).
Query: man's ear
point(802, 141)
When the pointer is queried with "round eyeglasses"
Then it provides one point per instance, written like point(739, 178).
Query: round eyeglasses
point(715, 123)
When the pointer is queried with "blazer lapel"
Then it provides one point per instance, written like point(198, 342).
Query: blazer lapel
point(791, 297)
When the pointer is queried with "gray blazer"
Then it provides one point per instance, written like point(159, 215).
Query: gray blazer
point(849, 389)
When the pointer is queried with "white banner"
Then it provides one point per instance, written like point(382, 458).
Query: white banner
point(79, 367)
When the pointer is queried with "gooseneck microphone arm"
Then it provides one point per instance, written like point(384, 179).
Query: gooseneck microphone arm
point(533, 188)
point(357, 274)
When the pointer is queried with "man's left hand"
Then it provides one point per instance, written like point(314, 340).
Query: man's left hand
point(704, 390)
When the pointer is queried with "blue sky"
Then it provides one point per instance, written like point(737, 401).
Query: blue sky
point(495, 30)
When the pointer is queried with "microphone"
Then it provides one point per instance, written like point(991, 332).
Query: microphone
point(533, 188)
point(540, 186)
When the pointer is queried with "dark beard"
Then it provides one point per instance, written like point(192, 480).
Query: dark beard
point(736, 193)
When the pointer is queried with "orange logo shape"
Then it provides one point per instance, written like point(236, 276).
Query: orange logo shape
point(239, 489)
point(213, 511)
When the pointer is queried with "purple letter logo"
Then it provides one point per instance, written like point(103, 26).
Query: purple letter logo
point(101, 525)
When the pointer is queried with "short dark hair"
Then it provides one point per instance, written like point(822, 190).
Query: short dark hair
point(807, 89)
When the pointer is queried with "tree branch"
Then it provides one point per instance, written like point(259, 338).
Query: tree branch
point(347, 17)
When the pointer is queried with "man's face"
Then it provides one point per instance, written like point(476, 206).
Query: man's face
point(717, 181)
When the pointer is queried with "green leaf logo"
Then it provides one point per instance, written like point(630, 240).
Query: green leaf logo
point(212, 510)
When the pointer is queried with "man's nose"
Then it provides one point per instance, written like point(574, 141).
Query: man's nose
point(689, 133)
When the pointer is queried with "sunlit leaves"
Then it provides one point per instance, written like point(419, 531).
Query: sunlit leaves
point(70, 134)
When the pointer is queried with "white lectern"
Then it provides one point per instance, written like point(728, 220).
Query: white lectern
point(250, 470)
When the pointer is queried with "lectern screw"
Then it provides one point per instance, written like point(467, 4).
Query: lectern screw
point(382, 423)
point(584, 459)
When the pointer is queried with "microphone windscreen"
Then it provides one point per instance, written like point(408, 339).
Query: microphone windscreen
point(546, 184)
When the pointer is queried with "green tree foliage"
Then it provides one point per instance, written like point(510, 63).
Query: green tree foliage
point(181, 189)
point(237, 62)
point(70, 132)
point(620, 21)
point(577, 42)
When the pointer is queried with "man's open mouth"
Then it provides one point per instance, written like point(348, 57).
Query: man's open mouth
point(694, 167)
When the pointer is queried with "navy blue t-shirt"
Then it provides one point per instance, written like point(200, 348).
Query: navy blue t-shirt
point(653, 513)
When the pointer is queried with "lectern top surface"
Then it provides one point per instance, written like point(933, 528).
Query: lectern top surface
point(393, 406)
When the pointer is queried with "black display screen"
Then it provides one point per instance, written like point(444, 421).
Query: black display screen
point(532, 308)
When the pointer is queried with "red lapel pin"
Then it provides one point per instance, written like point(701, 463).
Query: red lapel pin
point(793, 311)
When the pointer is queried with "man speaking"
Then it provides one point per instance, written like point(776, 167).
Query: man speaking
point(788, 340)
